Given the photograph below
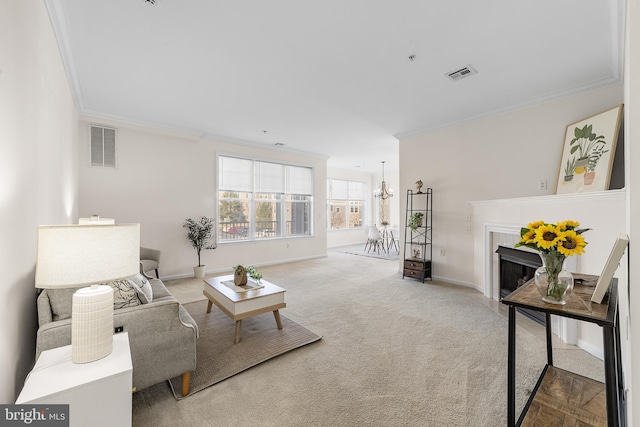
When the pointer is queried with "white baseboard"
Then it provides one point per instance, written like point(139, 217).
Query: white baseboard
point(591, 349)
point(459, 282)
point(227, 270)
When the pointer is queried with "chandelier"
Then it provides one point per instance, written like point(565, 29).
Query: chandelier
point(382, 192)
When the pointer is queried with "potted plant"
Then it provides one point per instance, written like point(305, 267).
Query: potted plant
point(415, 220)
point(199, 233)
point(590, 171)
point(240, 273)
point(585, 141)
point(569, 168)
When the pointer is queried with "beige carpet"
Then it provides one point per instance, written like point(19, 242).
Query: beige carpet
point(393, 352)
point(392, 255)
point(218, 358)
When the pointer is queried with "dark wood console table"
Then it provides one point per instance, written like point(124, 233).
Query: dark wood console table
point(552, 396)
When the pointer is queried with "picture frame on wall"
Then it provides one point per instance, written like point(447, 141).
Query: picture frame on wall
point(588, 153)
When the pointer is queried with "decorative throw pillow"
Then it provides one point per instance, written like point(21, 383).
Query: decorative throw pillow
point(124, 295)
point(143, 287)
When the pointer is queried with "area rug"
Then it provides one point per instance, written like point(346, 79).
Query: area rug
point(218, 358)
point(357, 250)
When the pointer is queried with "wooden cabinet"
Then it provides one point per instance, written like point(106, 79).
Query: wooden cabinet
point(554, 396)
point(417, 269)
point(417, 237)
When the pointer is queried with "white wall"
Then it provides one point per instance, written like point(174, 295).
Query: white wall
point(163, 178)
point(38, 146)
point(630, 299)
point(497, 157)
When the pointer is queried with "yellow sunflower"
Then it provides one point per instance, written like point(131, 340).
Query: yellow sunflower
point(534, 225)
point(547, 236)
point(571, 244)
point(528, 237)
point(567, 225)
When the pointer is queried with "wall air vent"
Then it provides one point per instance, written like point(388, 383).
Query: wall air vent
point(103, 147)
point(461, 73)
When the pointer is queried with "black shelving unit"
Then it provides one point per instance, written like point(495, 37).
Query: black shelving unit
point(418, 246)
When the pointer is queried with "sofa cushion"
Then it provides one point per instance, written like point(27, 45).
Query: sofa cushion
point(143, 287)
point(124, 294)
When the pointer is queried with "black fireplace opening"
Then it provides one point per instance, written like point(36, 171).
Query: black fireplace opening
point(517, 268)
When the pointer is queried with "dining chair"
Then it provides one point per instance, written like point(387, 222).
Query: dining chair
point(394, 240)
point(366, 233)
point(375, 239)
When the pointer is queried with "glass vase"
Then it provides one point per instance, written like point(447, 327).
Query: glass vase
point(553, 282)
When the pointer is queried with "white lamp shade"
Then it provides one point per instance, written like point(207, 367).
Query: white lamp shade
point(79, 255)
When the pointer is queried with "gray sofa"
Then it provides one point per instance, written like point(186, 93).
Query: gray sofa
point(162, 334)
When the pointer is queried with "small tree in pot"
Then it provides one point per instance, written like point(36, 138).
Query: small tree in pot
point(200, 234)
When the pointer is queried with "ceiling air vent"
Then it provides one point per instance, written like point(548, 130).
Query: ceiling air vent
point(461, 73)
point(103, 147)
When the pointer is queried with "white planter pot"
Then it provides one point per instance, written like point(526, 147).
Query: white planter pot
point(198, 272)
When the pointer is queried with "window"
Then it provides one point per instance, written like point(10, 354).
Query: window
point(345, 203)
point(262, 200)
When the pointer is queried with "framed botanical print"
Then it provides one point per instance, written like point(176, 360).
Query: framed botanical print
point(587, 156)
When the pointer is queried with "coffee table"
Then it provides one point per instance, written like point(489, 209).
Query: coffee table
point(240, 305)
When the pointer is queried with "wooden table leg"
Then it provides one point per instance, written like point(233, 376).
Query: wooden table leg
point(186, 377)
point(276, 314)
point(209, 304)
point(238, 329)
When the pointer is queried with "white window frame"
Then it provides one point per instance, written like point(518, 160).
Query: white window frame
point(281, 201)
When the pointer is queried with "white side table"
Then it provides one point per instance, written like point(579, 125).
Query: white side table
point(98, 393)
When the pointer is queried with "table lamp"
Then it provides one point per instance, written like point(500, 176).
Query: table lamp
point(71, 256)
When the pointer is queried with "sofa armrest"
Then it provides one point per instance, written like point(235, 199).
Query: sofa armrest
point(162, 345)
point(53, 335)
point(44, 309)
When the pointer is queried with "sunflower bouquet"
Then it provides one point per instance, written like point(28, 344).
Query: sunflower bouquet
point(555, 242)
point(564, 237)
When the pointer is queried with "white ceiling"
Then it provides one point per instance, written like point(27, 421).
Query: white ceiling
point(331, 77)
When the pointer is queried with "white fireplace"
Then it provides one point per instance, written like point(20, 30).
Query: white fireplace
point(499, 221)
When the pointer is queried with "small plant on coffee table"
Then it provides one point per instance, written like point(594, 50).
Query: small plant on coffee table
point(250, 271)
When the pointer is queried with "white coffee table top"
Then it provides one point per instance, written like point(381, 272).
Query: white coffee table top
point(216, 283)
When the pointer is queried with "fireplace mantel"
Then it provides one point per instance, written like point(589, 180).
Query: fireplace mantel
point(603, 212)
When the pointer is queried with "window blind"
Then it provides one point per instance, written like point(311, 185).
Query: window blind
point(299, 180)
point(235, 174)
